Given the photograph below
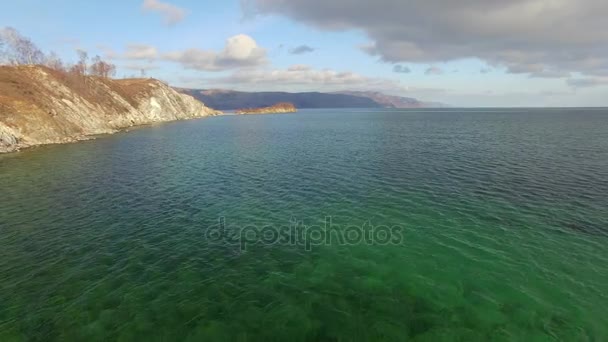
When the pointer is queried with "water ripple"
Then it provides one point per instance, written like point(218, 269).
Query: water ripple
point(503, 217)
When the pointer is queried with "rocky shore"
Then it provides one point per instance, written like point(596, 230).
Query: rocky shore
point(283, 107)
point(40, 106)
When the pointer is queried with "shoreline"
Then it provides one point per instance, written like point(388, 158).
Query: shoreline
point(88, 137)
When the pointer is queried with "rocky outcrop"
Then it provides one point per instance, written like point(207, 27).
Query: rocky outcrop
point(282, 107)
point(42, 106)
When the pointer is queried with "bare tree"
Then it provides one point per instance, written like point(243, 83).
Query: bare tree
point(101, 68)
point(29, 53)
point(17, 49)
point(96, 66)
point(7, 45)
point(80, 68)
point(54, 62)
point(2, 49)
point(111, 71)
point(75, 69)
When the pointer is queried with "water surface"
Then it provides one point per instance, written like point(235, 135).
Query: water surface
point(503, 217)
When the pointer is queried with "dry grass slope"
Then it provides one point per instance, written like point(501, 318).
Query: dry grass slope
point(39, 105)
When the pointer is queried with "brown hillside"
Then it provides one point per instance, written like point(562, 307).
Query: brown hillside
point(39, 105)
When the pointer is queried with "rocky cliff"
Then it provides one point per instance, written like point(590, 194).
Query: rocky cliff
point(283, 107)
point(42, 106)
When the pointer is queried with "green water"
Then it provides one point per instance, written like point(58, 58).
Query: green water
point(500, 218)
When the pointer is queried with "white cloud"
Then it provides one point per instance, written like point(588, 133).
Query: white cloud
point(131, 52)
point(240, 51)
point(140, 51)
point(298, 78)
point(299, 67)
point(171, 14)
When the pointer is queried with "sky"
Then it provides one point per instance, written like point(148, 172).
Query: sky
point(466, 53)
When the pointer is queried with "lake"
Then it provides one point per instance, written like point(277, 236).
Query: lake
point(429, 225)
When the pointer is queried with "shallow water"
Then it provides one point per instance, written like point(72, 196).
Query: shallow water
point(497, 219)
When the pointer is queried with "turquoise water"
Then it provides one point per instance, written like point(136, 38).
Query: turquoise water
point(497, 219)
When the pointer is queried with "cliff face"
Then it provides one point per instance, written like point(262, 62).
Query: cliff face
point(277, 108)
point(41, 106)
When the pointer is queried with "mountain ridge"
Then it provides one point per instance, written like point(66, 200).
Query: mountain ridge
point(392, 101)
point(225, 99)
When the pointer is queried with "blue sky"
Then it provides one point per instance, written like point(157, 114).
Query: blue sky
point(226, 44)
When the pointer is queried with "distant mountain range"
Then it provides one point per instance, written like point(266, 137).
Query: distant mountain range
point(391, 101)
point(231, 100)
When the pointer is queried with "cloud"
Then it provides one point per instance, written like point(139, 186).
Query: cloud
point(302, 49)
point(298, 78)
point(139, 67)
point(485, 70)
point(547, 73)
point(140, 51)
point(132, 52)
point(433, 71)
point(299, 67)
point(240, 51)
point(107, 51)
point(401, 69)
point(171, 14)
point(586, 82)
point(525, 36)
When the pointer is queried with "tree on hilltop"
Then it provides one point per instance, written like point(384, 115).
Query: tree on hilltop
point(16, 49)
point(101, 68)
